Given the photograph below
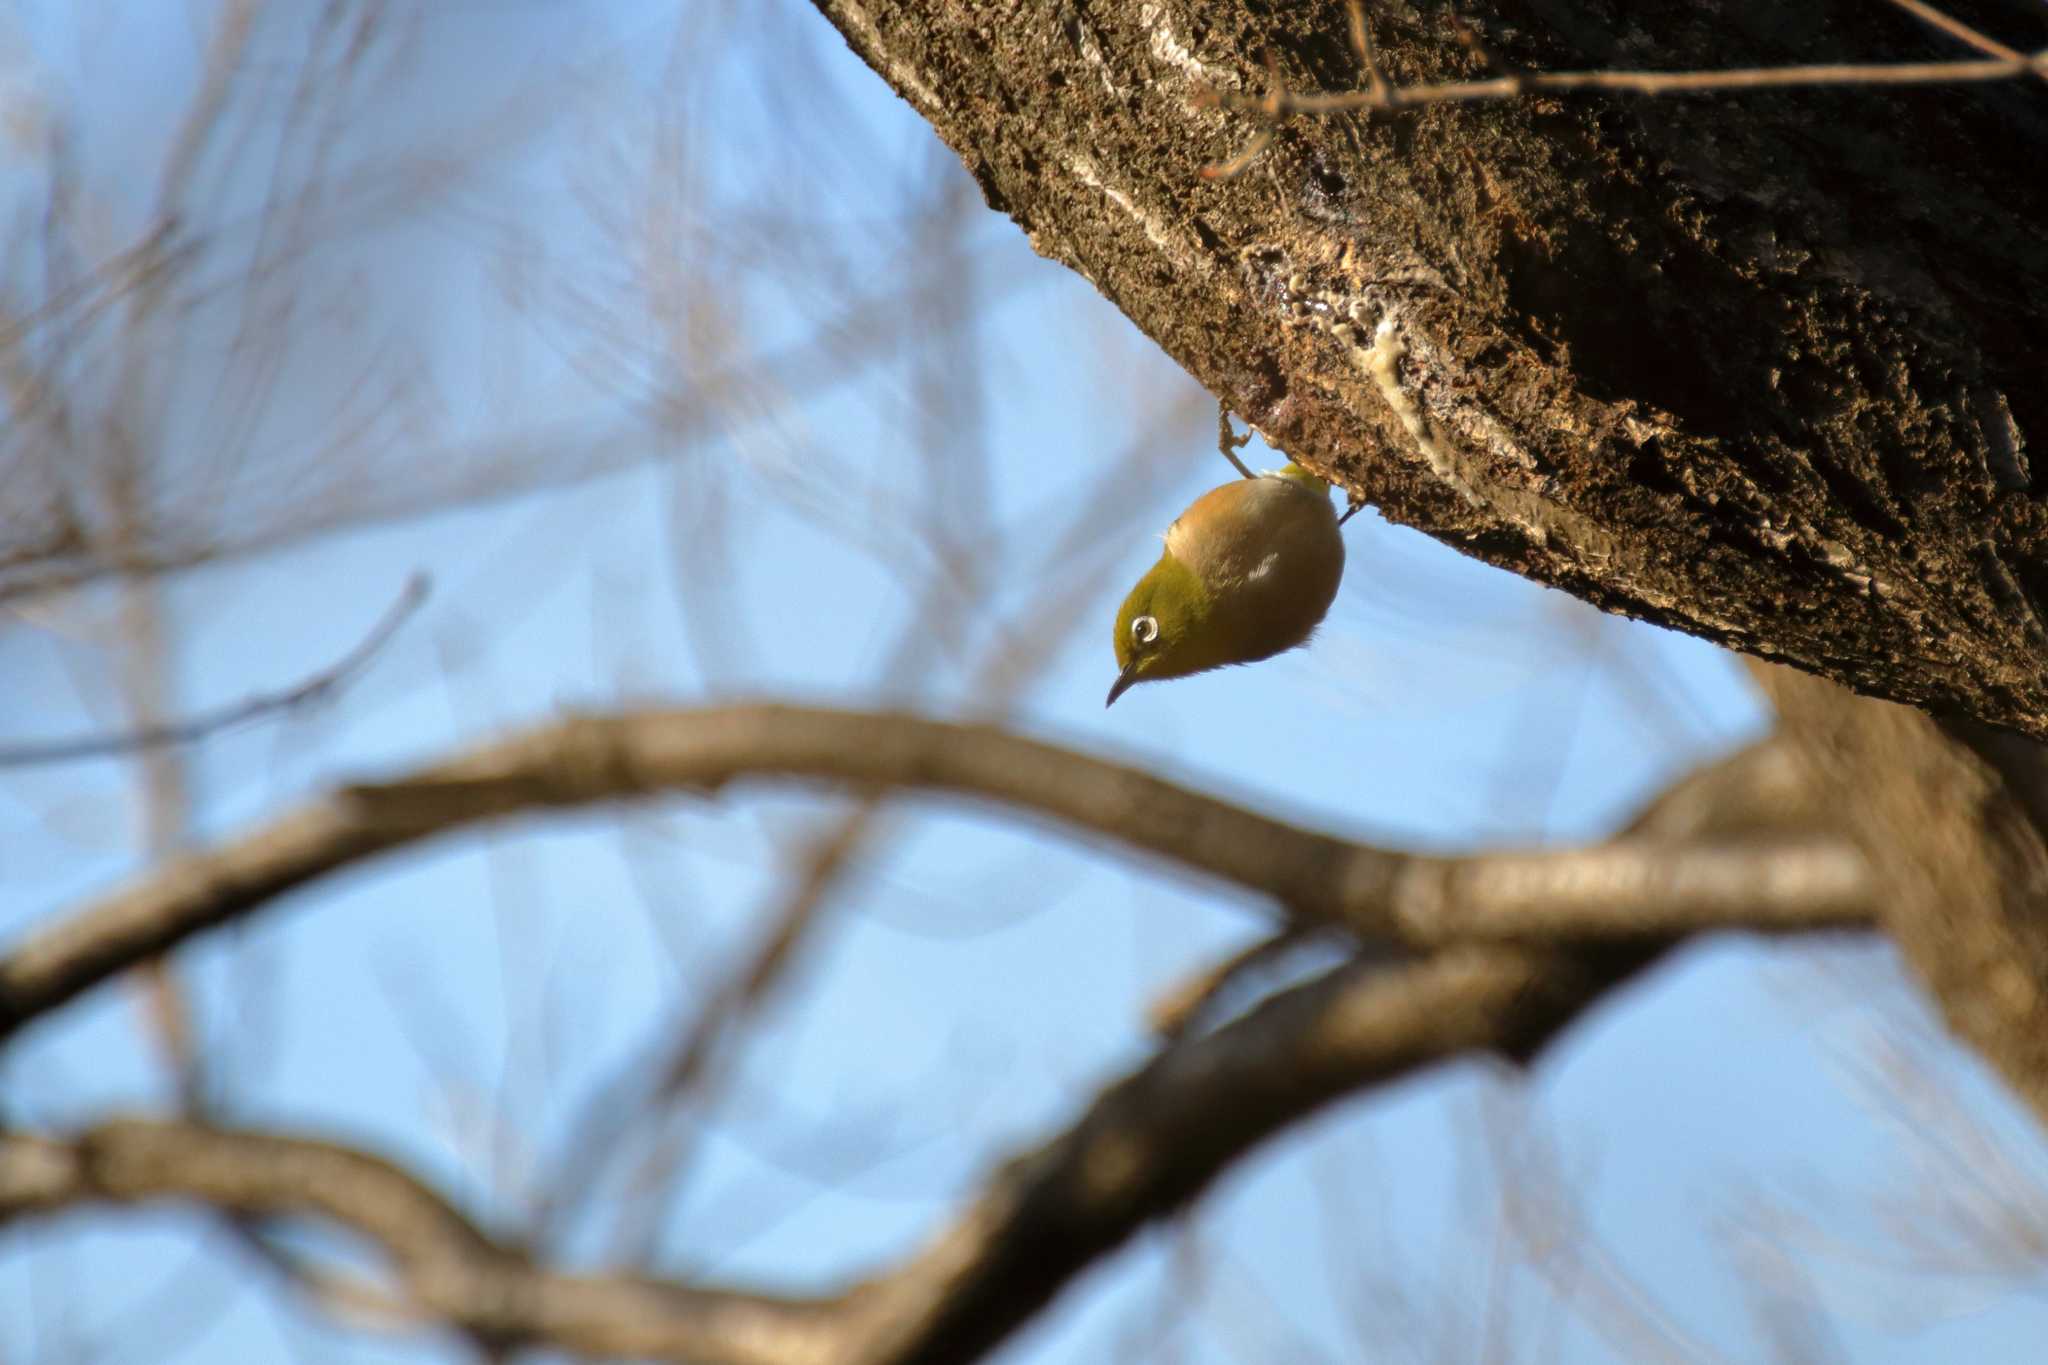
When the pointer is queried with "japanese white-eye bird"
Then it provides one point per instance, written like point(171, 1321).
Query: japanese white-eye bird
point(1248, 572)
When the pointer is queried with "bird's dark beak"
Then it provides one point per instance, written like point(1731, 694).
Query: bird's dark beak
point(1122, 683)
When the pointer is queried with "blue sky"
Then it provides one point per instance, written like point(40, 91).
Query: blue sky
point(788, 535)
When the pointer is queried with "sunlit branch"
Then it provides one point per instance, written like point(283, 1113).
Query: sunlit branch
point(1627, 889)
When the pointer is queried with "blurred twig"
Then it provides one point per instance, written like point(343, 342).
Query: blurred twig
point(676, 1081)
point(318, 688)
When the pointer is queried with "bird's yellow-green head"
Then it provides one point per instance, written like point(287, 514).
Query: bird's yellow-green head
point(1161, 629)
point(1249, 570)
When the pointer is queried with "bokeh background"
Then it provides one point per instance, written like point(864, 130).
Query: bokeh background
point(684, 364)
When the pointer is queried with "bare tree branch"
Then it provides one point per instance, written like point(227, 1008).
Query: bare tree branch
point(1628, 890)
point(1948, 821)
point(1338, 308)
point(319, 687)
point(1144, 1148)
point(1279, 103)
point(1963, 33)
point(1282, 103)
point(683, 1073)
point(1152, 1142)
point(450, 1270)
point(1183, 1005)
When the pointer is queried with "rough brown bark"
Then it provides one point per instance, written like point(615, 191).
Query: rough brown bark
point(1761, 367)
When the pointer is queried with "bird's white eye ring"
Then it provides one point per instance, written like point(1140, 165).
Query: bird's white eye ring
point(1145, 629)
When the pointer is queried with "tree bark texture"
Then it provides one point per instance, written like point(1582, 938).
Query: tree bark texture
point(1761, 367)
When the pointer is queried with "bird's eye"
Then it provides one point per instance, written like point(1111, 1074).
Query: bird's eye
point(1145, 629)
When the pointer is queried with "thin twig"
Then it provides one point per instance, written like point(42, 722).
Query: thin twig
point(1237, 165)
point(1269, 105)
point(691, 1068)
point(1279, 104)
point(317, 688)
point(636, 1098)
point(1963, 33)
point(1284, 103)
point(1361, 43)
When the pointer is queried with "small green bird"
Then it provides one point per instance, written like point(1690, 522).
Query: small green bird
point(1249, 571)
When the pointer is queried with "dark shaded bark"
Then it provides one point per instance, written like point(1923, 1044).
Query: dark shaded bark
point(1763, 368)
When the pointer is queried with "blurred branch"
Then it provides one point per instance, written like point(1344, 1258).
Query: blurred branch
point(676, 1081)
point(1183, 1004)
point(689, 1070)
point(659, 426)
point(1627, 890)
point(1144, 1148)
point(1949, 822)
point(448, 1267)
point(1153, 1141)
point(320, 687)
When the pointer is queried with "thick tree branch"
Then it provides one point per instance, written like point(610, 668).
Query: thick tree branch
point(1950, 821)
point(1144, 1148)
point(1151, 1143)
point(1761, 368)
point(1777, 882)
